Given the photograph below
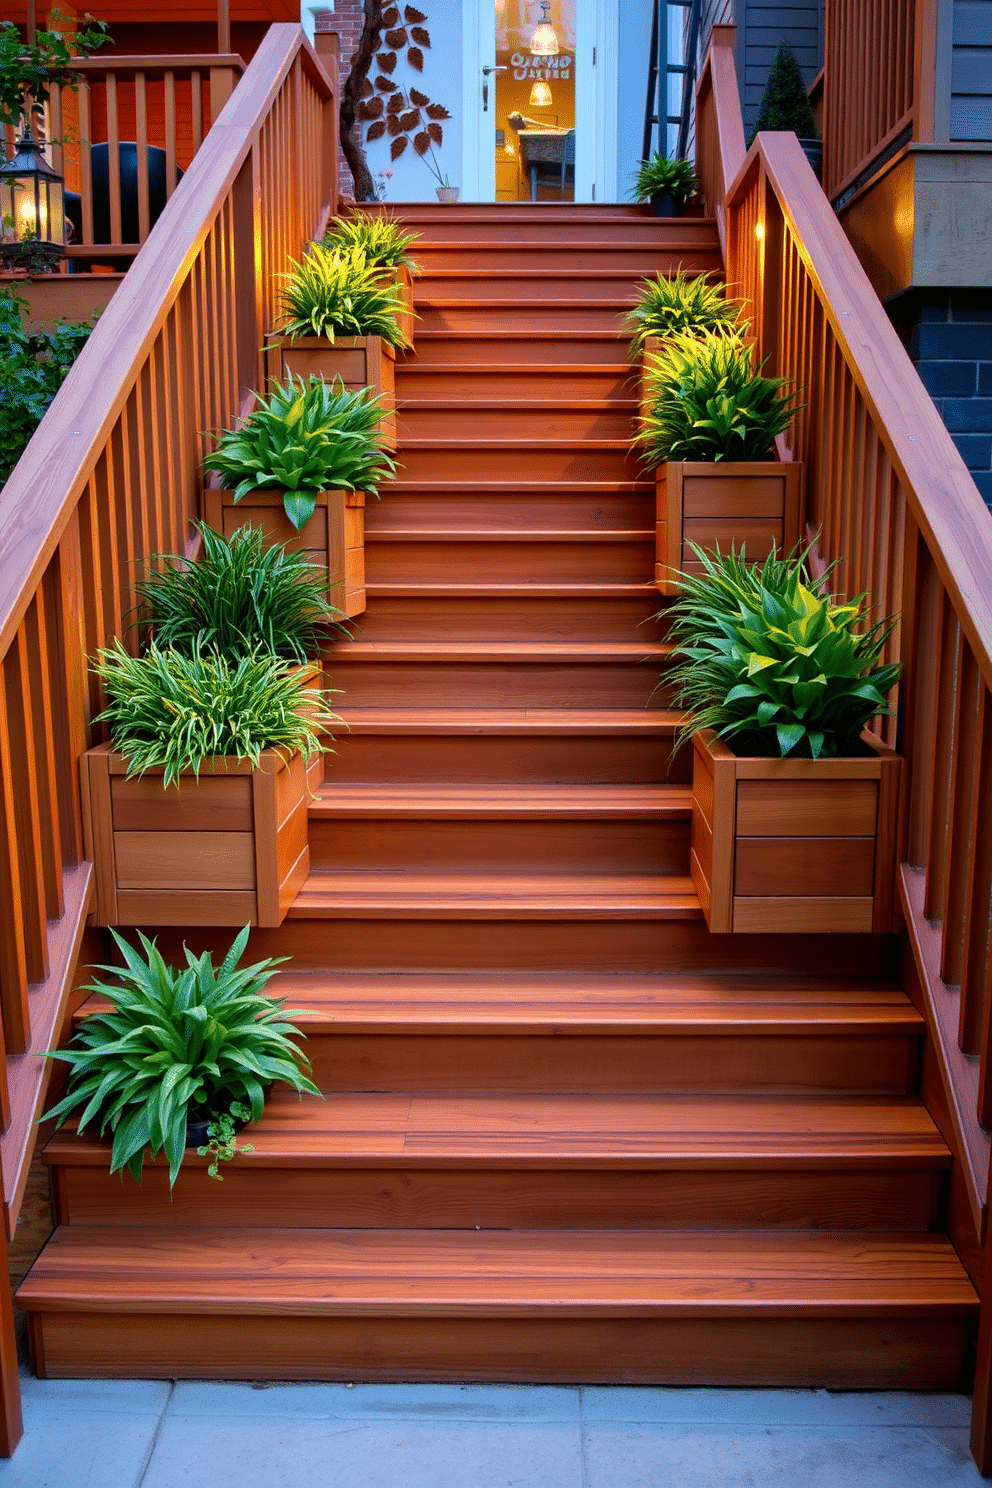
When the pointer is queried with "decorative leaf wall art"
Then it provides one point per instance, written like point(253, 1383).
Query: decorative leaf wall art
point(408, 118)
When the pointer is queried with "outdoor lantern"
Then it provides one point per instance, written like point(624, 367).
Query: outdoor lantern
point(32, 209)
point(540, 95)
point(544, 42)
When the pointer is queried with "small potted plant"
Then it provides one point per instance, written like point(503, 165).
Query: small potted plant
point(383, 242)
point(341, 320)
point(785, 106)
point(196, 810)
point(665, 183)
point(202, 1047)
point(709, 428)
point(794, 804)
point(300, 464)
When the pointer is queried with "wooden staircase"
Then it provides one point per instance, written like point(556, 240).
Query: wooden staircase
point(568, 1135)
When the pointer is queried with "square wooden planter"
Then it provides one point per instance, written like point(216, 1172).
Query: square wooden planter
point(742, 503)
point(334, 537)
point(227, 849)
point(797, 846)
point(360, 361)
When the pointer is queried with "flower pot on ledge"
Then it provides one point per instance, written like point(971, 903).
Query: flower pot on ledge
point(791, 845)
point(333, 538)
point(360, 362)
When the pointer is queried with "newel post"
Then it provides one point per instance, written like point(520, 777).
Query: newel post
point(327, 45)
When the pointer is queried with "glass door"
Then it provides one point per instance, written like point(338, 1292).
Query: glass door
point(535, 113)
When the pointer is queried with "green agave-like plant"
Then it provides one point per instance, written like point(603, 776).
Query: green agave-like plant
point(334, 293)
point(659, 173)
point(171, 711)
point(705, 401)
point(379, 238)
point(240, 596)
point(305, 437)
point(676, 302)
point(177, 1043)
point(766, 659)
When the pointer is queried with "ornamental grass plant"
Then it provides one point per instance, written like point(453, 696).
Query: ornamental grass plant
point(379, 238)
point(678, 302)
point(771, 663)
point(705, 401)
point(334, 293)
point(177, 1046)
point(661, 173)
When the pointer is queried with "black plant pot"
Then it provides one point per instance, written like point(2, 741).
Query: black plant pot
point(666, 204)
point(813, 150)
point(196, 1127)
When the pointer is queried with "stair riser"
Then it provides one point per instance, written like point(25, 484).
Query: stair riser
point(542, 350)
point(514, 423)
point(513, 618)
point(607, 259)
point(481, 759)
point(377, 684)
point(500, 1198)
point(439, 562)
point(505, 385)
point(541, 318)
point(460, 511)
point(495, 288)
point(501, 847)
point(808, 1351)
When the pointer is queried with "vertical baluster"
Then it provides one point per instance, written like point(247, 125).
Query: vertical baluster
point(13, 956)
point(113, 159)
point(113, 589)
point(961, 811)
point(85, 163)
point(940, 766)
point(141, 140)
point(975, 961)
point(67, 671)
point(196, 108)
point(39, 703)
point(27, 822)
point(171, 159)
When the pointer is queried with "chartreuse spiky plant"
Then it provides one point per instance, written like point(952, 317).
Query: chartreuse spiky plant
point(335, 293)
point(177, 1045)
point(379, 237)
point(706, 401)
point(678, 302)
point(766, 659)
point(663, 173)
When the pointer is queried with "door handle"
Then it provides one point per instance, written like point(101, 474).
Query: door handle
point(485, 85)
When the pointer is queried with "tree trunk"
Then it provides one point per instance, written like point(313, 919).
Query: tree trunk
point(351, 95)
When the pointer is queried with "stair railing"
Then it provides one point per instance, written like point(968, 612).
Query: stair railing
point(110, 478)
point(890, 501)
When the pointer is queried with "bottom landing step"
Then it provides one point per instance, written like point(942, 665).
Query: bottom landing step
point(828, 1310)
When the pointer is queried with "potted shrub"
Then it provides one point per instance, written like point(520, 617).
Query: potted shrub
point(665, 184)
point(384, 243)
point(794, 804)
point(202, 1047)
point(342, 319)
point(196, 811)
point(785, 105)
point(709, 428)
point(670, 303)
point(299, 466)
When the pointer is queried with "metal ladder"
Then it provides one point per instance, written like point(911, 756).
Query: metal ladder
point(660, 68)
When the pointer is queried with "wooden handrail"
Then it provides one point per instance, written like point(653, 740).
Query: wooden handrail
point(719, 126)
point(110, 478)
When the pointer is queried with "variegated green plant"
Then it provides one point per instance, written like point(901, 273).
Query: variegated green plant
point(379, 237)
point(177, 1046)
point(766, 658)
point(678, 302)
point(335, 293)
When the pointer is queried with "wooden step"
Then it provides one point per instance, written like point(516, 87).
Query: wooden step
point(495, 347)
point(479, 506)
point(520, 802)
point(519, 459)
point(729, 1309)
point(535, 317)
point(530, 255)
point(526, 381)
point(628, 620)
point(526, 558)
point(567, 280)
point(516, 419)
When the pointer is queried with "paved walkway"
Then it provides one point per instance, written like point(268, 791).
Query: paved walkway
point(96, 1434)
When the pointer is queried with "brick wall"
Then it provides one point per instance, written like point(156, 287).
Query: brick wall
point(347, 19)
point(951, 345)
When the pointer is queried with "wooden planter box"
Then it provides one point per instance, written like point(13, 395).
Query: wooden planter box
point(796, 846)
point(360, 361)
point(227, 849)
point(334, 537)
point(746, 503)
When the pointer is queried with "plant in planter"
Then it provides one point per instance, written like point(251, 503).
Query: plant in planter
point(710, 425)
point(665, 183)
point(677, 302)
point(300, 464)
point(794, 804)
point(178, 1048)
point(785, 106)
point(216, 831)
point(382, 242)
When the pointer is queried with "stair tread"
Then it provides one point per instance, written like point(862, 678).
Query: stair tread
point(511, 590)
point(429, 801)
point(510, 720)
point(507, 405)
point(506, 651)
point(573, 1130)
point(509, 535)
point(523, 488)
point(496, 1273)
point(429, 895)
point(521, 369)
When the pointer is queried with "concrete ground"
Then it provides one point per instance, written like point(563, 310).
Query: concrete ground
point(112, 1434)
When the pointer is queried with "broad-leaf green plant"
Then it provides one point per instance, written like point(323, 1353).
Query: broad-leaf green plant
point(334, 293)
point(380, 238)
point(769, 661)
point(239, 597)
point(661, 173)
point(305, 437)
point(678, 302)
point(29, 70)
point(706, 401)
point(33, 366)
point(176, 713)
point(177, 1045)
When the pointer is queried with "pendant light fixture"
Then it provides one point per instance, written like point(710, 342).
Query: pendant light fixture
point(540, 95)
point(544, 42)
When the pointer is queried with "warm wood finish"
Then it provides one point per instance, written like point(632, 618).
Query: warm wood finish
point(874, 83)
point(750, 506)
point(360, 362)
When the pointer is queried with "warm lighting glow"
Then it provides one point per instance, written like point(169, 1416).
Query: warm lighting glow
point(759, 231)
point(544, 42)
point(540, 95)
point(32, 210)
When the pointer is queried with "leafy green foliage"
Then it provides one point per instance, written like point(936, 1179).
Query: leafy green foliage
point(304, 438)
point(222, 1133)
point(29, 70)
point(177, 1045)
point(333, 293)
point(785, 103)
point(766, 659)
point(177, 712)
point(33, 366)
point(676, 302)
point(239, 597)
point(378, 237)
point(659, 173)
point(705, 401)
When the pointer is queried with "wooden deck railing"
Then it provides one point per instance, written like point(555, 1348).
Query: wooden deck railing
point(719, 126)
point(110, 478)
point(891, 502)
